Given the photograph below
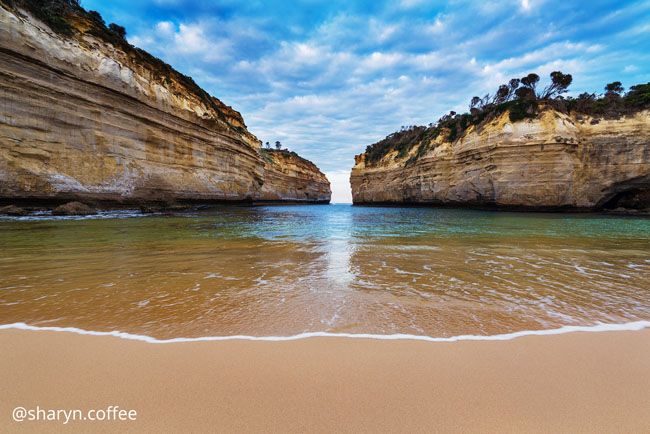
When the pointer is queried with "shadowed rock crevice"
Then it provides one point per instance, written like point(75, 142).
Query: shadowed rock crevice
point(634, 198)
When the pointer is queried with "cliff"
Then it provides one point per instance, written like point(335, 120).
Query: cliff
point(289, 177)
point(554, 161)
point(85, 116)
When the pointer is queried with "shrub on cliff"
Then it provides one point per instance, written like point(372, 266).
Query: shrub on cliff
point(285, 153)
point(97, 17)
point(118, 30)
point(614, 103)
point(639, 96)
point(402, 141)
point(51, 12)
point(56, 14)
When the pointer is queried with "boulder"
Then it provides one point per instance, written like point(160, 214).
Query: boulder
point(73, 208)
point(13, 210)
point(147, 210)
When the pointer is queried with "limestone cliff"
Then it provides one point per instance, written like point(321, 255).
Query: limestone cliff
point(85, 118)
point(288, 177)
point(552, 161)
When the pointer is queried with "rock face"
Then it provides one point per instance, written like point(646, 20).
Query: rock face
point(73, 208)
point(12, 210)
point(553, 161)
point(288, 177)
point(82, 119)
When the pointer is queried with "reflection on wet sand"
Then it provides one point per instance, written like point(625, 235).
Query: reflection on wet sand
point(287, 270)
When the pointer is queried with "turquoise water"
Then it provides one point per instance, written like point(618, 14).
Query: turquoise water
point(284, 270)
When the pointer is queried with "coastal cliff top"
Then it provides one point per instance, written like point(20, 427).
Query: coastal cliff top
point(284, 160)
point(67, 20)
point(517, 101)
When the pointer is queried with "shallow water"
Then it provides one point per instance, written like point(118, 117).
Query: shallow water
point(285, 270)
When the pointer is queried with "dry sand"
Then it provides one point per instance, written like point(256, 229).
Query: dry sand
point(573, 383)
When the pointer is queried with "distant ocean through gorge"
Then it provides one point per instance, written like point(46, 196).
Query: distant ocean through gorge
point(287, 271)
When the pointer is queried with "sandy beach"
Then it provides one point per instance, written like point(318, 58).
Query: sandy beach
point(575, 382)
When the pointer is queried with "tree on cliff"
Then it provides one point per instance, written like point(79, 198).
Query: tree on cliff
point(96, 16)
point(638, 96)
point(530, 81)
point(278, 145)
point(502, 94)
point(559, 85)
point(614, 88)
point(513, 84)
point(525, 93)
point(268, 145)
point(119, 30)
point(474, 104)
point(613, 97)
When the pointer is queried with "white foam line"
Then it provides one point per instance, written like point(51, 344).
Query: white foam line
point(630, 326)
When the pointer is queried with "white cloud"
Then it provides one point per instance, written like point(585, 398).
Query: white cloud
point(165, 29)
point(379, 60)
point(408, 4)
point(437, 27)
point(551, 55)
point(190, 38)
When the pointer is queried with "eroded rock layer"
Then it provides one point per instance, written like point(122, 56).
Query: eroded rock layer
point(288, 177)
point(83, 120)
point(553, 161)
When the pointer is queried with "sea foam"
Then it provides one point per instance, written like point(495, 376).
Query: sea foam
point(629, 326)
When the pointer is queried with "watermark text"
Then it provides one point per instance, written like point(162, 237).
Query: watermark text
point(110, 413)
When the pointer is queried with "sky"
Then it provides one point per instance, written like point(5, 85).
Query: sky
point(328, 78)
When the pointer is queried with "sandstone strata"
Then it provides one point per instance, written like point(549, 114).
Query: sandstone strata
point(553, 161)
point(73, 208)
point(288, 177)
point(81, 119)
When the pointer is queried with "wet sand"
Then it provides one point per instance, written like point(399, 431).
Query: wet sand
point(278, 271)
point(576, 382)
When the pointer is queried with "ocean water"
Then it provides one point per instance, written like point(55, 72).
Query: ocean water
point(301, 270)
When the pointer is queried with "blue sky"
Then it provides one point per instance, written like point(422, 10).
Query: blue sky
point(328, 78)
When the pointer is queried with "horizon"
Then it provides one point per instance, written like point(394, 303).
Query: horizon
point(328, 79)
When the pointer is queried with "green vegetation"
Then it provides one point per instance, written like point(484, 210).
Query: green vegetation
point(60, 16)
point(613, 103)
point(286, 154)
point(51, 12)
point(521, 99)
point(118, 30)
point(402, 141)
